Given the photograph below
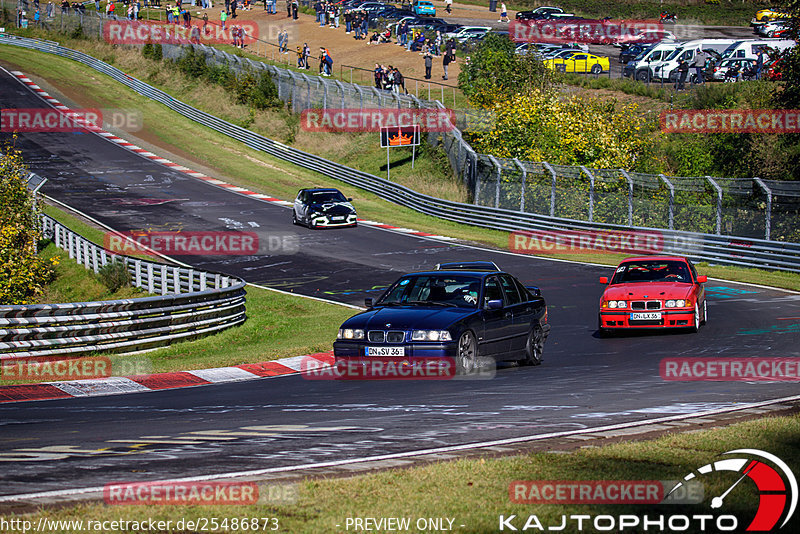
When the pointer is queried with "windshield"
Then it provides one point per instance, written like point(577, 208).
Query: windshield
point(652, 271)
point(731, 49)
point(673, 54)
point(434, 290)
point(326, 196)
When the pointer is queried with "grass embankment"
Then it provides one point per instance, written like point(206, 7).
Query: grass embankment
point(229, 160)
point(476, 492)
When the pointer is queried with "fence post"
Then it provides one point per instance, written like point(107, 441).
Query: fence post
point(522, 187)
point(591, 192)
point(341, 88)
point(552, 189)
point(671, 200)
point(719, 203)
point(768, 216)
point(498, 168)
point(630, 195)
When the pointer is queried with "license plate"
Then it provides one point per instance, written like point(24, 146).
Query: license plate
point(385, 351)
point(647, 316)
point(337, 218)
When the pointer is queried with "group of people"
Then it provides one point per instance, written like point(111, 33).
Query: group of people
point(389, 79)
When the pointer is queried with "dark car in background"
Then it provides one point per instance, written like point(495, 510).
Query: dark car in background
point(323, 208)
point(629, 53)
point(468, 313)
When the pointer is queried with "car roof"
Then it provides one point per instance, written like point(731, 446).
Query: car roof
point(655, 258)
point(321, 189)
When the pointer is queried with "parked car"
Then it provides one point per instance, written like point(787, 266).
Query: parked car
point(771, 28)
point(323, 208)
point(579, 62)
point(629, 53)
point(424, 8)
point(653, 292)
point(468, 32)
point(539, 12)
point(766, 15)
point(464, 313)
point(719, 71)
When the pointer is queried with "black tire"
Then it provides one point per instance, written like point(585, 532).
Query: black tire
point(643, 76)
point(467, 354)
point(294, 217)
point(534, 347)
point(704, 317)
point(597, 69)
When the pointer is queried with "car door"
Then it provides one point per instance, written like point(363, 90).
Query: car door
point(497, 324)
point(520, 313)
point(578, 62)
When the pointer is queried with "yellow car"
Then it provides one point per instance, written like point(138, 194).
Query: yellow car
point(766, 15)
point(579, 62)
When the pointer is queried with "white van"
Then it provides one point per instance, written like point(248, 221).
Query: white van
point(686, 52)
point(641, 67)
point(749, 48)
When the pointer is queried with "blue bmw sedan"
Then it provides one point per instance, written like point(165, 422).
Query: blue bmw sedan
point(464, 313)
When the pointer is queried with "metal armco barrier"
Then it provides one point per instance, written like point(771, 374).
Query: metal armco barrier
point(719, 249)
point(194, 303)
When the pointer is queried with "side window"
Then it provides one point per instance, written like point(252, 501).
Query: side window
point(694, 271)
point(523, 292)
point(492, 291)
point(510, 290)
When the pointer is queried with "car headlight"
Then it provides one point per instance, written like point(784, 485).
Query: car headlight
point(617, 304)
point(350, 333)
point(431, 335)
point(670, 304)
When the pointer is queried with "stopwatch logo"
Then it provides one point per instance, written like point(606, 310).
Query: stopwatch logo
point(777, 485)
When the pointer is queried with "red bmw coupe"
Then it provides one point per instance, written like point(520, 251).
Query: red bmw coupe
point(653, 292)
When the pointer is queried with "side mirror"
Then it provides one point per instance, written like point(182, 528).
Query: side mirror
point(702, 279)
point(368, 302)
point(349, 199)
point(494, 304)
point(604, 280)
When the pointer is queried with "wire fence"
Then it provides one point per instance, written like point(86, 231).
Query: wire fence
point(746, 207)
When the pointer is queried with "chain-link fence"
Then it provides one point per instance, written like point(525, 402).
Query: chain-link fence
point(746, 207)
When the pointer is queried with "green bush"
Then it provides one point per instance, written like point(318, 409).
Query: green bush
point(23, 274)
point(114, 275)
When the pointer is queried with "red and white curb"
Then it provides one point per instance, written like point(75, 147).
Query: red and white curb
point(194, 174)
point(118, 385)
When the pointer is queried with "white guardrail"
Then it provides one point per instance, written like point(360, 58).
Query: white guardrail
point(193, 303)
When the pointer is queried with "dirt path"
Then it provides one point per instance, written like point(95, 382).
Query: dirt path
point(348, 52)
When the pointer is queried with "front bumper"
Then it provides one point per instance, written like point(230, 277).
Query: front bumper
point(680, 318)
point(357, 349)
point(332, 221)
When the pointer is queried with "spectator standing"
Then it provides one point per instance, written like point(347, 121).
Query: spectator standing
point(448, 6)
point(683, 70)
point(37, 17)
point(446, 60)
point(378, 75)
point(364, 24)
point(759, 63)
point(348, 17)
point(227, 6)
point(222, 18)
point(306, 55)
point(699, 65)
point(51, 8)
point(288, 9)
point(437, 43)
point(337, 12)
point(503, 13)
point(428, 65)
point(399, 82)
point(295, 8)
point(233, 8)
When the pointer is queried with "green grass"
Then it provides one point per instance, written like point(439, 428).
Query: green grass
point(476, 492)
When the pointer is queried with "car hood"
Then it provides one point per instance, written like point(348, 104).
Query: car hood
point(333, 208)
point(408, 318)
point(648, 290)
